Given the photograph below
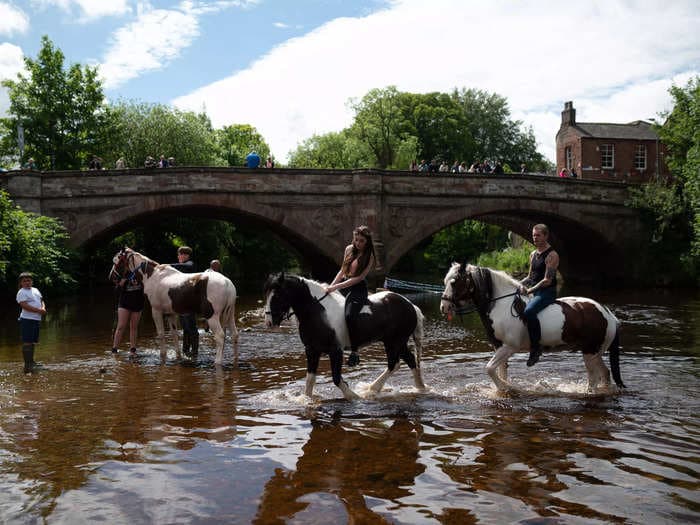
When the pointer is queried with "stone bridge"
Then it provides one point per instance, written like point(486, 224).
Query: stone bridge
point(314, 211)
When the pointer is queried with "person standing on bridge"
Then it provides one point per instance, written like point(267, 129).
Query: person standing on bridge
point(190, 334)
point(252, 160)
point(351, 280)
point(541, 283)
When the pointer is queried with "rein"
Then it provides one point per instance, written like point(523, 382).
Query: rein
point(288, 315)
point(474, 308)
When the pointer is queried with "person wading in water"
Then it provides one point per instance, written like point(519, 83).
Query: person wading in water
point(358, 261)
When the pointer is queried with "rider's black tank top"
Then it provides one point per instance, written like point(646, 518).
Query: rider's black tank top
point(539, 268)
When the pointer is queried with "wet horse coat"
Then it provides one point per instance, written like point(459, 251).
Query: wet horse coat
point(388, 317)
point(572, 321)
point(169, 291)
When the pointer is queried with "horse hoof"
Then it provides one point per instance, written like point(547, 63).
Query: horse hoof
point(353, 359)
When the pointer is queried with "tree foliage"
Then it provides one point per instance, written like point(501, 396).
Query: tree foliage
point(237, 140)
point(61, 111)
point(138, 129)
point(31, 242)
point(332, 150)
point(673, 206)
point(392, 128)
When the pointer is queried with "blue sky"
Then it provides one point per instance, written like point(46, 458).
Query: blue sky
point(289, 67)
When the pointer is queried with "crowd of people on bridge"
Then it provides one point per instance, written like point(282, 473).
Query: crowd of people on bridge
point(442, 166)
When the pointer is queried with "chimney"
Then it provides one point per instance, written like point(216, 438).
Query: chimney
point(568, 116)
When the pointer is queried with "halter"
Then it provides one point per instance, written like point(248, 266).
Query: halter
point(487, 303)
point(288, 315)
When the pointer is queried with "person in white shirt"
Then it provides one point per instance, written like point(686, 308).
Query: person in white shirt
point(33, 308)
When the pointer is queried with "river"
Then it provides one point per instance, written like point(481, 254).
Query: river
point(96, 437)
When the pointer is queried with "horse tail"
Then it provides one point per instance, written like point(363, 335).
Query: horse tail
point(614, 350)
point(229, 310)
point(418, 334)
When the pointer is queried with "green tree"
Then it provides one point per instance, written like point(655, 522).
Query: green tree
point(333, 150)
point(237, 140)
point(138, 129)
point(672, 206)
point(379, 123)
point(61, 111)
point(31, 242)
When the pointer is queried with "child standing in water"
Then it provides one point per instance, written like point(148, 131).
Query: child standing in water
point(33, 308)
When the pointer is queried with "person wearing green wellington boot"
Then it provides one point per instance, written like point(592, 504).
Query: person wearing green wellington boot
point(33, 308)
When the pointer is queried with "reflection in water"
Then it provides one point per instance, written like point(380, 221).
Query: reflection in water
point(93, 437)
point(375, 459)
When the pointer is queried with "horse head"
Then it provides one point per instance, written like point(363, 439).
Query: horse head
point(119, 264)
point(464, 283)
point(278, 299)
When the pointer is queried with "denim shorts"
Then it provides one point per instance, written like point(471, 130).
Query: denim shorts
point(29, 329)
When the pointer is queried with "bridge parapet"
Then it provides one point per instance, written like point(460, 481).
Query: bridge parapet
point(317, 209)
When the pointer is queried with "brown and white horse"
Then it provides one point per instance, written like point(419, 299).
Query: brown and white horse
point(573, 321)
point(387, 317)
point(169, 291)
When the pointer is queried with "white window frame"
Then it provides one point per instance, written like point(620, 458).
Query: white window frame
point(607, 153)
point(640, 157)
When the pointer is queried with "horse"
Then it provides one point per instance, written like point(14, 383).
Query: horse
point(387, 317)
point(169, 291)
point(575, 321)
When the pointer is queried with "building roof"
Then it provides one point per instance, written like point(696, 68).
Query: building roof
point(637, 130)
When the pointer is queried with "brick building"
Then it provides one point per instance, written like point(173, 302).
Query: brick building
point(597, 150)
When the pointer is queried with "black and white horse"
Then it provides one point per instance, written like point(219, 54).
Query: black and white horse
point(388, 317)
point(208, 294)
point(573, 321)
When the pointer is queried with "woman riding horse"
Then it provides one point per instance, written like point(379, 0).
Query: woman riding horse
point(358, 261)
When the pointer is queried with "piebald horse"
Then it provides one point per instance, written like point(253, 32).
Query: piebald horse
point(573, 321)
point(169, 291)
point(387, 317)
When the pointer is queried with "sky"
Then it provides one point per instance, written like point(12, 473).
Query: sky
point(290, 67)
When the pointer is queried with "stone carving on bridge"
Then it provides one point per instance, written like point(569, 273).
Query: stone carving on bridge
point(69, 220)
point(403, 220)
point(327, 221)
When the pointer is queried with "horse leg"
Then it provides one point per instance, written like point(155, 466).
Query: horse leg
point(312, 358)
point(336, 355)
point(219, 337)
point(392, 362)
point(234, 339)
point(598, 373)
point(413, 363)
point(503, 371)
point(501, 357)
point(160, 332)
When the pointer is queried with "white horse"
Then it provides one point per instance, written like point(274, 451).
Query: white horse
point(169, 291)
point(573, 321)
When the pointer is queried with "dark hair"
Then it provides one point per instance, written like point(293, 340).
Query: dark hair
point(184, 249)
point(364, 258)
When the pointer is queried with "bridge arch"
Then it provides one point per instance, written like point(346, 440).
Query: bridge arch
point(316, 210)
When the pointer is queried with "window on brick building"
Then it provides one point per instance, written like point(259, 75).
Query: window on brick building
point(569, 156)
point(640, 157)
point(607, 156)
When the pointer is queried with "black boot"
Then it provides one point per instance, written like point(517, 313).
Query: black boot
point(535, 353)
point(353, 358)
point(194, 342)
point(185, 343)
point(535, 333)
point(28, 355)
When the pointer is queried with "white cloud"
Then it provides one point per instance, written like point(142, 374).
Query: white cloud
point(11, 63)
point(615, 60)
point(156, 38)
point(12, 20)
point(147, 44)
point(88, 9)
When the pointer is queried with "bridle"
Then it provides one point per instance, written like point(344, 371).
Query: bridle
point(288, 314)
point(476, 307)
point(124, 258)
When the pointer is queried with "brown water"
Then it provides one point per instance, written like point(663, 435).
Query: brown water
point(92, 437)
